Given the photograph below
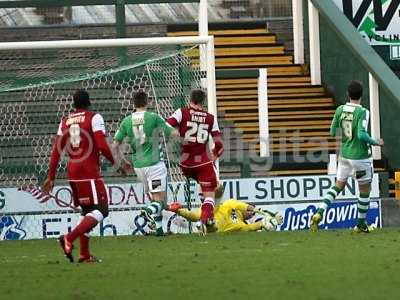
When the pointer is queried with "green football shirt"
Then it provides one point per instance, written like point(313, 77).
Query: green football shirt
point(143, 132)
point(353, 119)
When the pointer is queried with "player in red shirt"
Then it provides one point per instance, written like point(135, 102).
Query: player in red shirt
point(195, 127)
point(82, 136)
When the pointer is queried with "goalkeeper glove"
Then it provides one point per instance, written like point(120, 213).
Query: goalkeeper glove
point(279, 218)
point(269, 224)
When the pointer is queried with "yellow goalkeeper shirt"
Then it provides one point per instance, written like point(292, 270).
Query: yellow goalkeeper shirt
point(230, 216)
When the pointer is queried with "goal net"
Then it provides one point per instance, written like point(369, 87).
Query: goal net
point(36, 88)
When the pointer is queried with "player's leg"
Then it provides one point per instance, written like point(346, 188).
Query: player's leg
point(146, 212)
point(85, 255)
point(207, 178)
point(92, 197)
point(99, 210)
point(157, 184)
point(191, 215)
point(344, 171)
point(65, 244)
point(155, 208)
point(207, 207)
point(83, 241)
point(364, 174)
point(362, 207)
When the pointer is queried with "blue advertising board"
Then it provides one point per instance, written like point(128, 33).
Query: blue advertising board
point(341, 214)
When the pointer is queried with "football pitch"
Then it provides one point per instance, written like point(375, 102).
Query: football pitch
point(260, 265)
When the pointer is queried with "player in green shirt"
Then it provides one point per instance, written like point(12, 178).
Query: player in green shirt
point(355, 155)
point(143, 131)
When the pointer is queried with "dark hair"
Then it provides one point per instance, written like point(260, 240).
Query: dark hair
point(197, 96)
point(355, 90)
point(140, 99)
point(81, 99)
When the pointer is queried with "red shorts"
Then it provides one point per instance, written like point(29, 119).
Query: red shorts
point(205, 175)
point(90, 194)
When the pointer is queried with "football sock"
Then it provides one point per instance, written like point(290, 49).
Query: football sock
point(86, 225)
point(207, 209)
point(84, 245)
point(209, 201)
point(83, 241)
point(328, 199)
point(362, 208)
point(158, 220)
point(155, 208)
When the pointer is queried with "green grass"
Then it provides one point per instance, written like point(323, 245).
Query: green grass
point(281, 265)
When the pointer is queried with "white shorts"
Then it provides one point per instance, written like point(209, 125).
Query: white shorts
point(154, 178)
point(361, 169)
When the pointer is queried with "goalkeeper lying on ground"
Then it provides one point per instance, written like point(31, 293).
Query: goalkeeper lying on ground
point(231, 216)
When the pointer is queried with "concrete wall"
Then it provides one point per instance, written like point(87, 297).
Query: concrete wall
point(390, 213)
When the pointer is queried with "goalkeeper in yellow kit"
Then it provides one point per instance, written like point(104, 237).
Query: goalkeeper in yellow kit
point(231, 216)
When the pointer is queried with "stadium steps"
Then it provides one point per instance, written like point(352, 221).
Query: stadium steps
point(256, 47)
point(299, 113)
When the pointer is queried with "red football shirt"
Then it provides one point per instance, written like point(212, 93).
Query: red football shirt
point(195, 127)
point(82, 136)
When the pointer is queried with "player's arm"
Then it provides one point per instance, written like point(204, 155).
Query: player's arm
point(125, 166)
point(118, 139)
point(167, 128)
point(218, 149)
point(267, 223)
point(264, 224)
point(175, 119)
point(362, 132)
point(99, 132)
point(249, 227)
point(335, 122)
point(56, 151)
point(242, 226)
point(246, 210)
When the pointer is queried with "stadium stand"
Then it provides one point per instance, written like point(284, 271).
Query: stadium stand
point(105, 14)
point(299, 113)
point(165, 13)
point(241, 49)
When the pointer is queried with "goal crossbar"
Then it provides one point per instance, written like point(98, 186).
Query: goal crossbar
point(106, 43)
point(207, 42)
